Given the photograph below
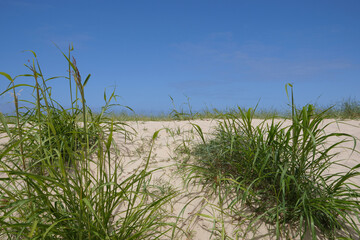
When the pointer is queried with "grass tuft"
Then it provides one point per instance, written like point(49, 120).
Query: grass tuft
point(280, 169)
point(60, 172)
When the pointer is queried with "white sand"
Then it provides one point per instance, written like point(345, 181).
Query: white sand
point(193, 204)
point(173, 135)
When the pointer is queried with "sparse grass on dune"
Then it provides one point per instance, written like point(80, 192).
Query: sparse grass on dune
point(61, 174)
point(282, 173)
point(346, 109)
point(184, 115)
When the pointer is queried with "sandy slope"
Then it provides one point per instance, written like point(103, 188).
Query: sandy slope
point(192, 201)
point(193, 204)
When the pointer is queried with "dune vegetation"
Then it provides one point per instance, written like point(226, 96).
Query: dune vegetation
point(60, 173)
point(63, 173)
point(281, 171)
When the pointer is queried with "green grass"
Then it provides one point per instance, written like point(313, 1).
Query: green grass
point(281, 173)
point(48, 189)
point(61, 175)
point(346, 109)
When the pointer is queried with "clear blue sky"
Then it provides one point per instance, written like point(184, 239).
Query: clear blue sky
point(218, 53)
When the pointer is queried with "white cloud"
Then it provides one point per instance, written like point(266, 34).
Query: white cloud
point(257, 60)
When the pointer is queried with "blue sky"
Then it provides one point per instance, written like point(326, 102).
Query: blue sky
point(218, 53)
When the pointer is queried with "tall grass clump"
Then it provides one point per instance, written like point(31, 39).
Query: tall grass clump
point(60, 171)
point(280, 169)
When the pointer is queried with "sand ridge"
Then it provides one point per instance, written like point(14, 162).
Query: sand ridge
point(199, 210)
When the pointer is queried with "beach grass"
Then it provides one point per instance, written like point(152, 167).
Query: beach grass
point(282, 173)
point(345, 109)
point(61, 172)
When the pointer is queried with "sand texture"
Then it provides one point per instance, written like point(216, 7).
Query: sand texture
point(198, 209)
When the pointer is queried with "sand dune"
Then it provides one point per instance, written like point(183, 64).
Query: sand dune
point(194, 204)
point(197, 208)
